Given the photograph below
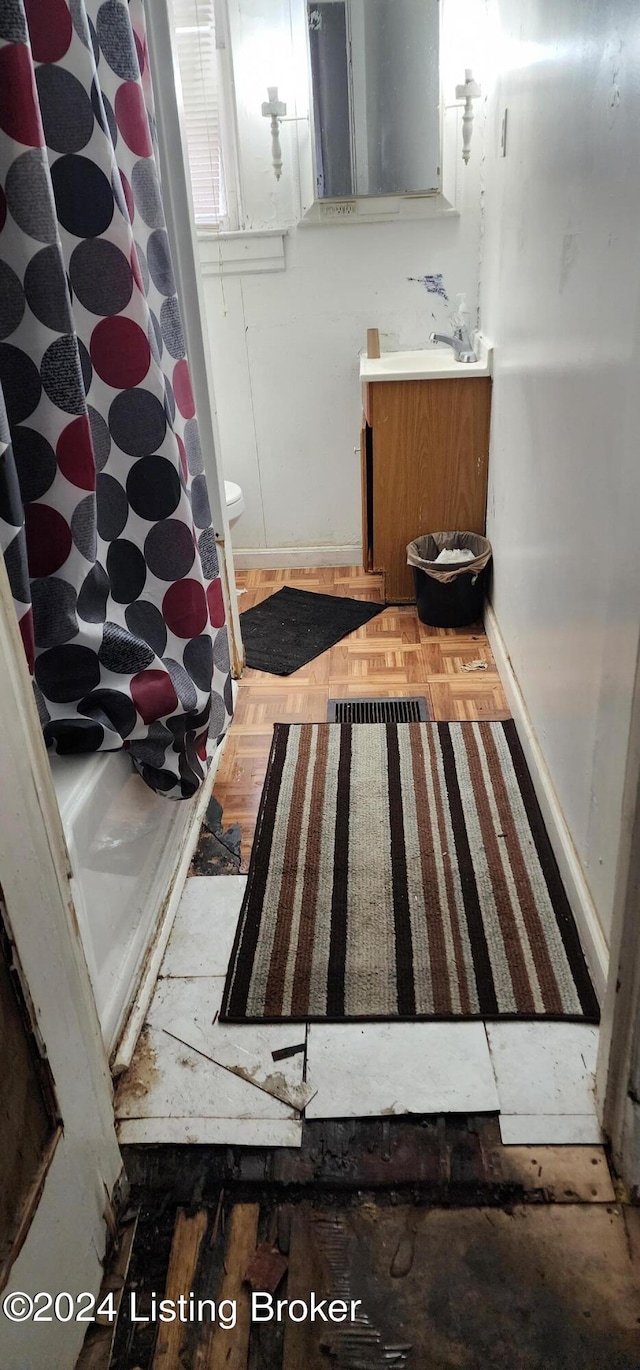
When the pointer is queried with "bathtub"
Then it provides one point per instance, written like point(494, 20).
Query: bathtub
point(129, 850)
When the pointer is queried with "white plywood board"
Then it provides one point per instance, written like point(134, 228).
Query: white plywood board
point(551, 1129)
point(209, 1132)
point(204, 929)
point(368, 1069)
point(248, 1053)
point(544, 1068)
point(174, 1074)
point(167, 1079)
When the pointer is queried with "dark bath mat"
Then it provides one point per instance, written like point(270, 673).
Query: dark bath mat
point(293, 626)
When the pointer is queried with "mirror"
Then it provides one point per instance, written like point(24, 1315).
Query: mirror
point(375, 96)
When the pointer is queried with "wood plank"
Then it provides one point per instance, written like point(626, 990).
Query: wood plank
point(228, 1349)
point(430, 459)
point(183, 1261)
point(98, 1343)
point(563, 1174)
point(307, 1274)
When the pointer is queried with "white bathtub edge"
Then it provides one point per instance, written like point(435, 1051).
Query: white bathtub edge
point(124, 1048)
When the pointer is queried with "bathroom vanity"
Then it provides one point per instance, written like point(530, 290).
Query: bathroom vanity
point(424, 454)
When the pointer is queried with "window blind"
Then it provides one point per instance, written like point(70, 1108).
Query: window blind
point(194, 31)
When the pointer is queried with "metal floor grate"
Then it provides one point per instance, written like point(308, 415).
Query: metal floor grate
point(377, 710)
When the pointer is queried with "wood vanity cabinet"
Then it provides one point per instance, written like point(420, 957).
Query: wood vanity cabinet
point(424, 455)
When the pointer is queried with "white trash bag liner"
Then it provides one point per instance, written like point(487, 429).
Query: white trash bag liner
point(424, 551)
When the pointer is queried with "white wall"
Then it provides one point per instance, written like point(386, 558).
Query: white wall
point(285, 344)
point(286, 354)
point(560, 300)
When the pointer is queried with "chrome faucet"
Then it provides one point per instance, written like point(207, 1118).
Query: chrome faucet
point(460, 341)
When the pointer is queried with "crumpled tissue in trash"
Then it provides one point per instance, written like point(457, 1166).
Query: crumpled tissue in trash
point(454, 554)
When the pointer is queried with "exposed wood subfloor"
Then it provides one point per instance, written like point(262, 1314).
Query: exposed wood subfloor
point(395, 654)
point(463, 1252)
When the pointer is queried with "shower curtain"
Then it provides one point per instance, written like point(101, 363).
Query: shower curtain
point(104, 516)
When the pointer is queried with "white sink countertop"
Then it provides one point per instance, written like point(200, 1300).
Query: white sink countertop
point(429, 364)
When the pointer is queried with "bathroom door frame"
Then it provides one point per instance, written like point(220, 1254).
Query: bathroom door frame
point(66, 1238)
point(618, 1074)
point(176, 195)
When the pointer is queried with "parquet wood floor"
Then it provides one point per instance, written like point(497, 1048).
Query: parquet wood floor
point(395, 654)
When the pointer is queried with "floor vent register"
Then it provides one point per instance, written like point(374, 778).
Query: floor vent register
point(378, 710)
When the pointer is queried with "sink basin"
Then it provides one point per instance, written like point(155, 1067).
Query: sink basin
point(429, 363)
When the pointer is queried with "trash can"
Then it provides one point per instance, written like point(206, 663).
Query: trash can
point(450, 592)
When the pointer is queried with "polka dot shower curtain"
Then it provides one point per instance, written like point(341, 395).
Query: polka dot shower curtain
point(104, 516)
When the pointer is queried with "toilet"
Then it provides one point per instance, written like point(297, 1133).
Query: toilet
point(235, 501)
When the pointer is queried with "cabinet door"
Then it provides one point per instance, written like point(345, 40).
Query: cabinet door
point(431, 443)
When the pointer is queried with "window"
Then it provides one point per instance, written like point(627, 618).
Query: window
point(202, 77)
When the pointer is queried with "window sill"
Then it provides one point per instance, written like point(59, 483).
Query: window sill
point(241, 253)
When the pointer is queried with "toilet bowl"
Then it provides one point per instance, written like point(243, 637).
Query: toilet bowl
point(235, 500)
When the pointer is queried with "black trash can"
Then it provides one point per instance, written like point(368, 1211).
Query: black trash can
point(450, 594)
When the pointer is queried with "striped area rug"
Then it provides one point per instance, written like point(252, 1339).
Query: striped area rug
point(403, 871)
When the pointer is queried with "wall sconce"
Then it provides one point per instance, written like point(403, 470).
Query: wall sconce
point(468, 92)
point(276, 110)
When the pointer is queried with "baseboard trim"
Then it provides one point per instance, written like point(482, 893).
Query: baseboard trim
point(279, 558)
point(584, 910)
point(123, 1052)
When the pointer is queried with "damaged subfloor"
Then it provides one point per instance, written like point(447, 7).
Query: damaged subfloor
point(457, 1189)
point(457, 1252)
